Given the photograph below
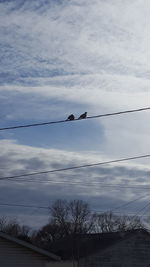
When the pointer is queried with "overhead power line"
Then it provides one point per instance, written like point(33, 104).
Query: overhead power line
point(46, 207)
point(23, 206)
point(65, 121)
point(129, 202)
point(86, 184)
point(113, 210)
point(97, 211)
point(13, 205)
point(138, 213)
point(75, 167)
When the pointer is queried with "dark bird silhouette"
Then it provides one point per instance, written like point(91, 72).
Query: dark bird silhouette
point(71, 117)
point(83, 116)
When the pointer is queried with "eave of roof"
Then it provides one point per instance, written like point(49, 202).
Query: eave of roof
point(30, 246)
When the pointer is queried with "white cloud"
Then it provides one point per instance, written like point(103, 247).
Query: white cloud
point(93, 55)
point(88, 184)
point(91, 37)
point(103, 43)
point(25, 159)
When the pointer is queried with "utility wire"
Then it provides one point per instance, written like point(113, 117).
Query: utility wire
point(129, 202)
point(47, 208)
point(64, 121)
point(75, 167)
point(23, 206)
point(85, 184)
point(146, 211)
point(122, 214)
point(124, 205)
point(129, 213)
point(28, 206)
point(137, 214)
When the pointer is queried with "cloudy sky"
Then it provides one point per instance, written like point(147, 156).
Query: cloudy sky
point(70, 56)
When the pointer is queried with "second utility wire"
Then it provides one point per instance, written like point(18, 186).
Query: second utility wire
point(76, 167)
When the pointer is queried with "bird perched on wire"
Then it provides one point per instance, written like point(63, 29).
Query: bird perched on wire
point(83, 116)
point(71, 117)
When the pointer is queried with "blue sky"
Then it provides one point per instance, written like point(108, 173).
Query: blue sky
point(63, 57)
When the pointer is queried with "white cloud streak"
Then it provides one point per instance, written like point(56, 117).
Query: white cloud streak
point(84, 184)
point(93, 55)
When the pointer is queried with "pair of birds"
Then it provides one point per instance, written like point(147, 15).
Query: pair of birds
point(72, 117)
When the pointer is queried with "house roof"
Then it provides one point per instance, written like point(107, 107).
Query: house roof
point(25, 244)
point(79, 246)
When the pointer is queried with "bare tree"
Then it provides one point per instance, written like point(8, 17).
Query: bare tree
point(12, 227)
point(72, 217)
point(109, 222)
point(134, 223)
point(68, 218)
point(59, 212)
point(48, 234)
point(3, 222)
point(80, 216)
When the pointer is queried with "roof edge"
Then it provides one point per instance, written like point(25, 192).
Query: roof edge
point(30, 246)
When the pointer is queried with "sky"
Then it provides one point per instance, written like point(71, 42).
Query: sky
point(71, 56)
